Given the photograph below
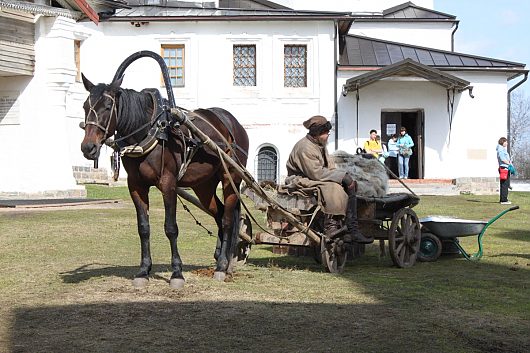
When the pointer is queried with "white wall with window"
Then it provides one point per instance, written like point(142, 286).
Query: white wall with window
point(270, 75)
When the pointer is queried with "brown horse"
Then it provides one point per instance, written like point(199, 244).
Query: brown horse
point(176, 161)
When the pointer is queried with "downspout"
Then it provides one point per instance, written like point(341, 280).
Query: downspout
point(509, 108)
point(453, 36)
point(336, 112)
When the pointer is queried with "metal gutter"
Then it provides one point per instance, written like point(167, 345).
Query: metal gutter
point(453, 36)
point(509, 107)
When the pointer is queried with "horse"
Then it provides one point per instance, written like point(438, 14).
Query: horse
point(128, 116)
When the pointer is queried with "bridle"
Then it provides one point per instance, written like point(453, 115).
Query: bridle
point(95, 121)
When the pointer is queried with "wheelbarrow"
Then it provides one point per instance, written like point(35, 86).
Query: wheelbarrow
point(437, 229)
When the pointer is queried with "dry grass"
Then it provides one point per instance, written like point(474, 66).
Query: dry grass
point(66, 287)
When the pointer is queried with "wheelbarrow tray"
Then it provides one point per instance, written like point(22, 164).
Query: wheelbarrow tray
point(449, 228)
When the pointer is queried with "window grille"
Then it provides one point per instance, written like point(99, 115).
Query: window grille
point(295, 65)
point(174, 57)
point(267, 164)
point(244, 65)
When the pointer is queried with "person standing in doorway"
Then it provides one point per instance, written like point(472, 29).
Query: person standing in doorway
point(393, 151)
point(404, 144)
point(504, 170)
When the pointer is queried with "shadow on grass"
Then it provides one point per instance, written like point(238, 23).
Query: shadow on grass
point(241, 326)
point(95, 270)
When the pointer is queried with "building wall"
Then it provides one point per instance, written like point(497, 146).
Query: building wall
point(468, 151)
point(271, 113)
point(36, 161)
point(434, 35)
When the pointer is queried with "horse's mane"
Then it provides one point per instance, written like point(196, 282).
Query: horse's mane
point(133, 112)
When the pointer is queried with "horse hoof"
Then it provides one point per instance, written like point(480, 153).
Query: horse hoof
point(176, 283)
point(140, 282)
point(219, 276)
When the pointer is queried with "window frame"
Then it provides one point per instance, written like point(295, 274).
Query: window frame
point(255, 79)
point(306, 64)
point(163, 47)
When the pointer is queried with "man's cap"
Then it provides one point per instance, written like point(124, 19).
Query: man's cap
point(317, 125)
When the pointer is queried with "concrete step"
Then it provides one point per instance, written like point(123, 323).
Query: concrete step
point(424, 186)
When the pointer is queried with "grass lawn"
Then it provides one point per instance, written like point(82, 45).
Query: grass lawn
point(66, 287)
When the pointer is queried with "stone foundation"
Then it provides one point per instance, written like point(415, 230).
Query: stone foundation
point(49, 194)
point(477, 185)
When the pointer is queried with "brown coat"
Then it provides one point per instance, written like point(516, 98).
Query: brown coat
point(311, 163)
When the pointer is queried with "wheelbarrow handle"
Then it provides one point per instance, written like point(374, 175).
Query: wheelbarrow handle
point(513, 208)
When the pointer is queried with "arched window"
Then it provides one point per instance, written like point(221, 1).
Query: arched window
point(267, 164)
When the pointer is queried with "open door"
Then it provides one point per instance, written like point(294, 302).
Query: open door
point(414, 121)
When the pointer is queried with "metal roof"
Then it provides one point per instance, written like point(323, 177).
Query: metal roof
point(410, 11)
point(407, 67)
point(364, 51)
point(168, 13)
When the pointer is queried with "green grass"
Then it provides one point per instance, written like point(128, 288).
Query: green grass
point(66, 287)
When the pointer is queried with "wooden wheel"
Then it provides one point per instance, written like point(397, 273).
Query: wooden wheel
point(334, 254)
point(404, 237)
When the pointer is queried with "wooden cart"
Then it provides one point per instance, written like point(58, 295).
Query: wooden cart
point(389, 218)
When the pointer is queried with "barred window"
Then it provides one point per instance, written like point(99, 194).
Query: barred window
point(244, 65)
point(295, 65)
point(267, 164)
point(174, 57)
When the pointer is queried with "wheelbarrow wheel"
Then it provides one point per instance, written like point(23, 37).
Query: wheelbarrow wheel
point(404, 238)
point(430, 248)
point(334, 254)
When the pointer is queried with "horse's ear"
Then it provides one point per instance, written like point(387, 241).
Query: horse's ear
point(117, 83)
point(86, 82)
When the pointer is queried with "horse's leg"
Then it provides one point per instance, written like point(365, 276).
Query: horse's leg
point(208, 198)
point(231, 207)
point(140, 197)
point(172, 231)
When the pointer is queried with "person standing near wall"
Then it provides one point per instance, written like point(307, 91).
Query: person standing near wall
point(404, 144)
point(504, 170)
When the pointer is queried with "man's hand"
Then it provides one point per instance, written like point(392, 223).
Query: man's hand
point(348, 183)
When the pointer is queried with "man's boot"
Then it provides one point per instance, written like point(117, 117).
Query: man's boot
point(332, 226)
point(352, 224)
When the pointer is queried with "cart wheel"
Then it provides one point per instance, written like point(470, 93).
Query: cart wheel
point(243, 247)
point(334, 254)
point(404, 238)
point(430, 248)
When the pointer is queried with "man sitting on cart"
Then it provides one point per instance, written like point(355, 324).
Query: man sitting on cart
point(310, 164)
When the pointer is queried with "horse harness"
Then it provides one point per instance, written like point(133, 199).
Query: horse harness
point(162, 125)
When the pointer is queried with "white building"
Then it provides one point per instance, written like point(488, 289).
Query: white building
point(373, 64)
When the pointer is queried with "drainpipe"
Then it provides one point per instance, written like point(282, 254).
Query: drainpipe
point(336, 114)
point(453, 36)
point(509, 108)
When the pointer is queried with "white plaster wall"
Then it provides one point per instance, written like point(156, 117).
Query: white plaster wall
point(271, 113)
point(477, 124)
point(432, 35)
point(36, 158)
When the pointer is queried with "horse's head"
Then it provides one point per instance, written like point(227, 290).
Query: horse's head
point(101, 114)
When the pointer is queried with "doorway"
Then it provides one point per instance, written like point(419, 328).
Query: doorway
point(414, 122)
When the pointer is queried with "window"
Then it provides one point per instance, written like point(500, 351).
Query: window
point(295, 65)
point(244, 65)
point(267, 164)
point(174, 57)
point(77, 56)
